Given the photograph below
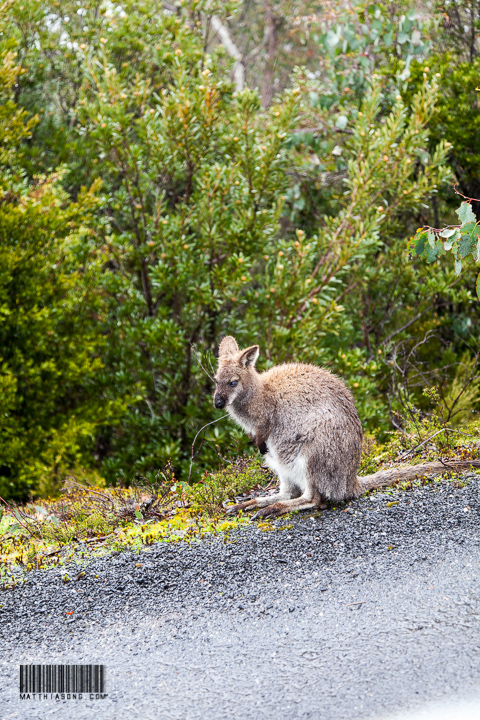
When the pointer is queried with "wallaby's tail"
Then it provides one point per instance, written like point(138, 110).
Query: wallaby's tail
point(384, 478)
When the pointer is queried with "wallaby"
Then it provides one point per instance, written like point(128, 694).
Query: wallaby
point(304, 419)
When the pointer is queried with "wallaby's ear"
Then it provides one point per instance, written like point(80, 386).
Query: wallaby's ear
point(248, 358)
point(228, 346)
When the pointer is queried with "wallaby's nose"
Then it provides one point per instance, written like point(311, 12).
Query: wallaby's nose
point(219, 403)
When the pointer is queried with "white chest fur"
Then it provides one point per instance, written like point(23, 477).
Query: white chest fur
point(291, 475)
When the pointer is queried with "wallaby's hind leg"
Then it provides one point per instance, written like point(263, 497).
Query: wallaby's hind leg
point(304, 502)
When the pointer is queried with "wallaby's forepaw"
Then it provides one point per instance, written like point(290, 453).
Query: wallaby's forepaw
point(263, 447)
point(270, 511)
point(241, 506)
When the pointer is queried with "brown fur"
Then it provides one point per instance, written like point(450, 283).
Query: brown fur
point(305, 419)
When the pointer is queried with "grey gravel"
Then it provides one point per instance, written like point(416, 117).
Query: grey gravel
point(359, 613)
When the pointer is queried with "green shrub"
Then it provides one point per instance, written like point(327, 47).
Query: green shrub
point(50, 341)
point(215, 489)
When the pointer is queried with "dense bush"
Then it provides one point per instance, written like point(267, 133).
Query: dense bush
point(50, 343)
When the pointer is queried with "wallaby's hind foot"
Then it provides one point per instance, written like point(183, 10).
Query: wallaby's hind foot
point(247, 505)
point(286, 506)
point(258, 502)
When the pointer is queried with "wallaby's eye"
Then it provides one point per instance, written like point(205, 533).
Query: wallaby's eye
point(234, 383)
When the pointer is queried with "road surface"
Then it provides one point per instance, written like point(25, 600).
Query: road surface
point(372, 612)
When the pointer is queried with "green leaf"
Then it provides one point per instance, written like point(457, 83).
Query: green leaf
point(458, 266)
point(420, 243)
point(41, 509)
point(469, 229)
point(478, 286)
point(388, 39)
point(477, 254)
point(466, 245)
point(465, 213)
point(138, 515)
point(449, 243)
point(332, 39)
point(440, 248)
point(431, 238)
point(431, 254)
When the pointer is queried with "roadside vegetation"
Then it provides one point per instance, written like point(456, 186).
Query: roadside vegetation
point(301, 177)
point(88, 521)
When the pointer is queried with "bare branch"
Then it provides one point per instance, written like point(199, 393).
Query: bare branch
point(226, 39)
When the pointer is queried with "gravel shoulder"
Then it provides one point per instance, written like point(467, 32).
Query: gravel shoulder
point(352, 614)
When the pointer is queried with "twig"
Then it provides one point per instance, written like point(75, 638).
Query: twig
point(90, 540)
point(88, 489)
point(212, 370)
point(223, 459)
point(464, 196)
point(195, 439)
point(407, 453)
point(438, 230)
point(407, 325)
point(54, 552)
point(17, 517)
point(198, 360)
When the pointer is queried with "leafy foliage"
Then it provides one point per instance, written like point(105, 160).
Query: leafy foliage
point(211, 493)
point(372, 38)
point(49, 340)
point(462, 240)
point(87, 521)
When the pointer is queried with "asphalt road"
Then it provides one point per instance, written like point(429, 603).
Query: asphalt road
point(369, 613)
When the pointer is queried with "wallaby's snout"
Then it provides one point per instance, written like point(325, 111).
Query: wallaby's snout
point(219, 401)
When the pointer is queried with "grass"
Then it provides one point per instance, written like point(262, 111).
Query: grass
point(87, 521)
